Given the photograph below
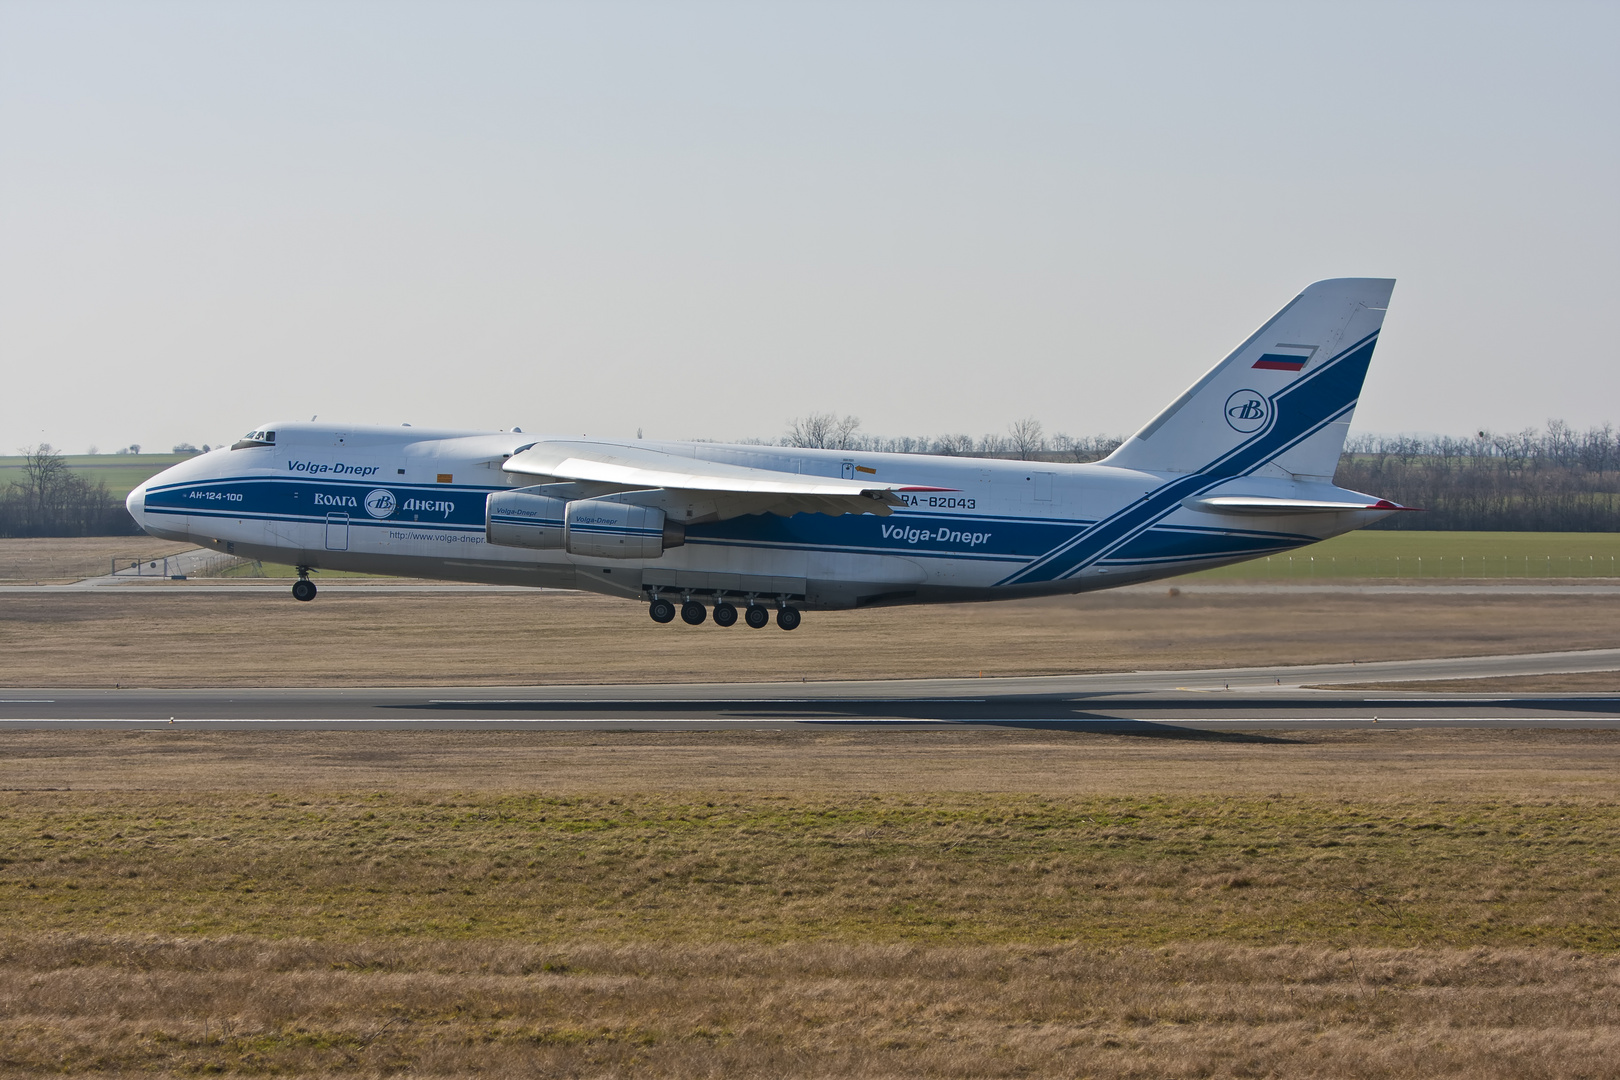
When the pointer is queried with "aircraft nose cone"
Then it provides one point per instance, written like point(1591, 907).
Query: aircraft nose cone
point(135, 502)
point(170, 526)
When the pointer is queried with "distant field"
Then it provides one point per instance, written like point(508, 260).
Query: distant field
point(1411, 555)
point(120, 472)
point(57, 560)
point(277, 571)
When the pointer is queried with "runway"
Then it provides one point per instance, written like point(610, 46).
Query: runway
point(1230, 699)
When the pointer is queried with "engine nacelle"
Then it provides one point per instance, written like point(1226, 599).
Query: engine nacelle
point(616, 530)
point(596, 527)
point(518, 519)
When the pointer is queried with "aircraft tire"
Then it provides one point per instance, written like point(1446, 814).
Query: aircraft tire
point(661, 610)
point(725, 614)
point(788, 618)
point(303, 589)
point(693, 613)
point(756, 616)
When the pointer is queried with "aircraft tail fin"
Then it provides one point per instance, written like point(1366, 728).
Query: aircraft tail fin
point(1282, 401)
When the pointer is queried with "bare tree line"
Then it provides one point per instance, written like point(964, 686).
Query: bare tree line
point(1595, 450)
point(52, 500)
point(1555, 479)
point(1025, 440)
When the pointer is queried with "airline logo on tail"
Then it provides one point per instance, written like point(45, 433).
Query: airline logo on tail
point(1246, 411)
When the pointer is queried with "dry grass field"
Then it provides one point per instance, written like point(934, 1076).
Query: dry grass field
point(958, 903)
point(176, 636)
point(59, 560)
point(149, 1005)
point(968, 902)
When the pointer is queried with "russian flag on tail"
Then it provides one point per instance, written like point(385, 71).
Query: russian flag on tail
point(1285, 358)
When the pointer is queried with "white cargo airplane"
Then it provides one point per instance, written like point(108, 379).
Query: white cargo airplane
point(1240, 465)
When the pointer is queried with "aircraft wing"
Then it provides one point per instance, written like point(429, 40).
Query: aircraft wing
point(732, 489)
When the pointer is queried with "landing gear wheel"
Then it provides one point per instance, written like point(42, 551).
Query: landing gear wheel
point(693, 613)
point(661, 610)
point(788, 618)
point(303, 589)
point(756, 616)
point(724, 614)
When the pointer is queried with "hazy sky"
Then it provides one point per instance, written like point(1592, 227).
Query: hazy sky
point(705, 219)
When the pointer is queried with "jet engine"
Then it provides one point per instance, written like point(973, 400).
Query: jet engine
point(601, 528)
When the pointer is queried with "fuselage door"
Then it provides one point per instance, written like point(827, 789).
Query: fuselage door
point(337, 532)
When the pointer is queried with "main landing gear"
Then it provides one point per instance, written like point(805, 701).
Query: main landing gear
point(693, 613)
point(303, 588)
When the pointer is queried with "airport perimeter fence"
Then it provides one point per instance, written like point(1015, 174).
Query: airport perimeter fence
point(1414, 568)
point(184, 565)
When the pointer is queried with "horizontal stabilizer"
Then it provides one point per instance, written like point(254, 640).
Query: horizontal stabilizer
point(1260, 504)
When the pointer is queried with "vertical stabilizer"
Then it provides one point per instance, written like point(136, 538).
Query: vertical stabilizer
point(1282, 401)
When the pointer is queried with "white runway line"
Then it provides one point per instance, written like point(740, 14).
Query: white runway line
point(887, 721)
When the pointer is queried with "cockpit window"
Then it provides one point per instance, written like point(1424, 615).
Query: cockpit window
point(255, 438)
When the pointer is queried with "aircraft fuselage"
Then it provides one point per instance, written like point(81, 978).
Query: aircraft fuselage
point(411, 502)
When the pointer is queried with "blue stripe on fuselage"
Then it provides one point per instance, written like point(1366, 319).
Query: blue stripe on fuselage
point(927, 535)
point(299, 499)
point(1185, 543)
point(908, 533)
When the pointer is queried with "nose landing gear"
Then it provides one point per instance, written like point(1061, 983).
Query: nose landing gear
point(303, 588)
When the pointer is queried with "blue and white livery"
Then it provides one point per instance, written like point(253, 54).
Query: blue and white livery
point(1240, 465)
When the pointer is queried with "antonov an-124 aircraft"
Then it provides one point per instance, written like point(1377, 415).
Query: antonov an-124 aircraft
point(1240, 465)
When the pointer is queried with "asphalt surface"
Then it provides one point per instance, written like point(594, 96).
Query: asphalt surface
point(1162, 702)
